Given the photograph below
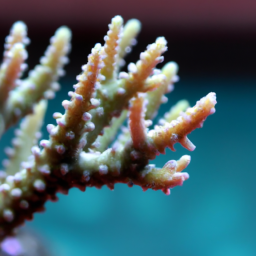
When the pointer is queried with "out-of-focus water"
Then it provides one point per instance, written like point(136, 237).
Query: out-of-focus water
point(212, 214)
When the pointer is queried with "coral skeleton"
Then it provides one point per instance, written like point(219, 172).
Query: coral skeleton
point(81, 151)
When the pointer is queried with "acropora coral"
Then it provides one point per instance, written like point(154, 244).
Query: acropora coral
point(80, 151)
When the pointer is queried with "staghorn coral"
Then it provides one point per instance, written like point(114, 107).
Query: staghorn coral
point(77, 153)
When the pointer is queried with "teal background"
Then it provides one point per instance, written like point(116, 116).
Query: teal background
point(212, 214)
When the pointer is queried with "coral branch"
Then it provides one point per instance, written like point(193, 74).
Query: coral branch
point(137, 122)
point(148, 60)
point(111, 48)
point(110, 132)
point(69, 136)
point(130, 32)
point(177, 130)
point(76, 153)
point(168, 177)
point(174, 112)
point(126, 163)
point(41, 82)
point(166, 78)
point(11, 70)
point(116, 97)
point(26, 137)
point(18, 34)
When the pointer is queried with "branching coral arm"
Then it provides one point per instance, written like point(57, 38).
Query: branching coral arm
point(41, 82)
point(18, 34)
point(166, 78)
point(26, 137)
point(137, 121)
point(129, 163)
point(116, 99)
point(110, 49)
point(13, 62)
point(128, 39)
point(11, 70)
point(167, 177)
point(176, 131)
point(69, 137)
point(174, 112)
point(103, 142)
point(71, 156)
point(118, 44)
point(26, 192)
point(163, 82)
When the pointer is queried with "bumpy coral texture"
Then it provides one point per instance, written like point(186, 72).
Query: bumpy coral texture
point(77, 152)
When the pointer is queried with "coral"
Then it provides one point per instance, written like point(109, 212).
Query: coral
point(78, 151)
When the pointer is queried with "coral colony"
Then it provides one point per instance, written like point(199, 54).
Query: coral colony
point(77, 152)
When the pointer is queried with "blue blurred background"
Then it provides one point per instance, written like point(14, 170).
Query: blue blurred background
point(213, 213)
